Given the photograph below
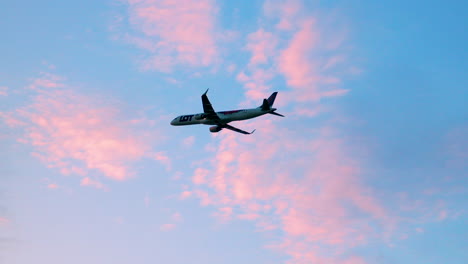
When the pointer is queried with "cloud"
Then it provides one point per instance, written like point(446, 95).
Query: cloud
point(262, 45)
point(304, 70)
point(93, 183)
point(294, 62)
point(307, 189)
point(299, 50)
point(456, 147)
point(167, 227)
point(174, 32)
point(176, 218)
point(147, 200)
point(4, 221)
point(286, 12)
point(77, 133)
point(47, 80)
point(52, 186)
point(3, 91)
point(188, 141)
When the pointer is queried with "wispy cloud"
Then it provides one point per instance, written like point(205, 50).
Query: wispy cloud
point(173, 32)
point(307, 188)
point(456, 147)
point(4, 221)
point(296, 49)
point(188, 141)
point(52, 186)
point(298, 67)
point(86, 181)
point(3, 91)
point(77, 133)
point(312, 195)
point(176, 218)
point(262, 45)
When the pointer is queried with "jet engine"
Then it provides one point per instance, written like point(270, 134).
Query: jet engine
point(214, 129)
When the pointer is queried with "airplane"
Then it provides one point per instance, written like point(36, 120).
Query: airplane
point(220, 120)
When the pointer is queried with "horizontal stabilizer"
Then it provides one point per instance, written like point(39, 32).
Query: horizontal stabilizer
point(274, 113)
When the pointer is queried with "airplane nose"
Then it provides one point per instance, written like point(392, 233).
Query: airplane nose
point(173, 122)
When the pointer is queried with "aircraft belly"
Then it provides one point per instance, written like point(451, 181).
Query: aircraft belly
point(186, 123)
point(208, 122)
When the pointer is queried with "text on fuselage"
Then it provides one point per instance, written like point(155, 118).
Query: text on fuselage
point(186, 118)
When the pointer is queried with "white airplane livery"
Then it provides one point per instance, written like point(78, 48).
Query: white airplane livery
point(220, 120)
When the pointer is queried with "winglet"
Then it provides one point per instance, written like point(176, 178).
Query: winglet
point(252, 131)
point(206, 91)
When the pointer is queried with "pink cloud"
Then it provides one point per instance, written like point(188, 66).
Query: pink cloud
point(176, 218)
point(162, 158)
point(174, 32)
point(262, 45)
point(167, 227)
point(224, 214)
point(119, 220)
point(295, 62)
point(313, 194)
point(4, 221)
point(287, 12)
point(77, 134)
point(47, 80)
point(231, 68)
point(3, 91)
point(185, 194)
point(200, 176)
point(52, 186)
point(147, 200)
point(188, 142)
point(303, 57)
point(10, 120)
point(455, 147)
point(92, 183)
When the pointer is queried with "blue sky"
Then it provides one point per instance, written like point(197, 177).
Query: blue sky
point(369, 165)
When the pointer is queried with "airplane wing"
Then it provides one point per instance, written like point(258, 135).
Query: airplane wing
point(208, 108)
point(237, 130)
point(211, 114)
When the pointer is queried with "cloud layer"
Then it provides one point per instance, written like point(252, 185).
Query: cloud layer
point(306, 190)
point(295, 47)
point(302, 185)
point(174, 32)
point(79, 134)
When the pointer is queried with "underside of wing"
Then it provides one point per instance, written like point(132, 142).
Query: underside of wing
point(237, 129)
point(208, 108)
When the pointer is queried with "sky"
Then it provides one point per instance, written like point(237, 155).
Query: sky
point(369, 166)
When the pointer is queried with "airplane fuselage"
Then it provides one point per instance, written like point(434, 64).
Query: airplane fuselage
point(220, 120)
point(225, 117)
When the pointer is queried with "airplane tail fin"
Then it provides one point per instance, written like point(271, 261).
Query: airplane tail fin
point(265, 105)
point(268, 103)
point(272, 98)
